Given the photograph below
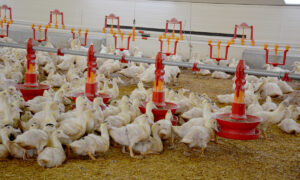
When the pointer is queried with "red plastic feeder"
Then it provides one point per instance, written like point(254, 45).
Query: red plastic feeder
point(218, 45)
point(91, 85)
point(31, 88)
point(2, 34)
point(39, 39)
point(238, 125)
point(158, 97)
point(243, 26)
point(6, 8)
point(56, 12)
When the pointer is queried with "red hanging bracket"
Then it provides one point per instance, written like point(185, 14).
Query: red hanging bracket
point(56, 12)
point(2, 35)
point(195, 67)
point(276, 50)
point(243, 26)
point(173, 22)
point(111, 17)
point(168, 53)
point(79, 35)
point(122, 37)
point(5, 8)
point(218, 45)
point(40, 33)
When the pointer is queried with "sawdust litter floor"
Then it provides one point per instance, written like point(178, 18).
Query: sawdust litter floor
point(277, 157)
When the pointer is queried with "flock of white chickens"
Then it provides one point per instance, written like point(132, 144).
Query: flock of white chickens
point(45, 128)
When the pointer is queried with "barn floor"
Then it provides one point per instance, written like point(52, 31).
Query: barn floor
point(277, 157)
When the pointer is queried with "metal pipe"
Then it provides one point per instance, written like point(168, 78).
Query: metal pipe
point(152, 61)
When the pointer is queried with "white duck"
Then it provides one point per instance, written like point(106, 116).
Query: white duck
point(75, 126)
point(153, 145)
point(226, 98)
point(182, 130)
point(220, 75)
point(66, 62)
point(133, 71)
point(269, 118)
point(269, 105)
point(120, 119)
point(98, 113)
point(139, 93)
point(53, 155)
point(3, 152)
point(255, 106)
point(92, 144)
point(133, 133)
point(289, 126)
point(13, 148)
point(296, 67)
point(165, 126)
point(33, 139)
point(192, 113)
point(114, 91)
point(197, 137)
point(271, 89)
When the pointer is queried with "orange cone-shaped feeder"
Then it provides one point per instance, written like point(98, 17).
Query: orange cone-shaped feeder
point(158, 96)
point(31, 88)
point(238, 125)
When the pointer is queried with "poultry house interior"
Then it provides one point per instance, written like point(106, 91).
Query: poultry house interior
point(112, 93)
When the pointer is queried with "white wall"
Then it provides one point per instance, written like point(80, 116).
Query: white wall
point(276, 23)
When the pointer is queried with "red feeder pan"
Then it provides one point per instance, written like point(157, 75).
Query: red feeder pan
point(238, 129)
point(161, 112)
point(30, 92)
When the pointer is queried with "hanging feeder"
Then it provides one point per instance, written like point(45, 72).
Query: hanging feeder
point(168, 53)
point(173, 22)
point(2, 34)
point(40, 29)
point(79, 35)
point(158, 96)
point(91, 86)
point(57, 13)
point(238, 125)
point(4, 19)
point(31, 88)
point(111, 17)
point(218, 45)
point(243, 26)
